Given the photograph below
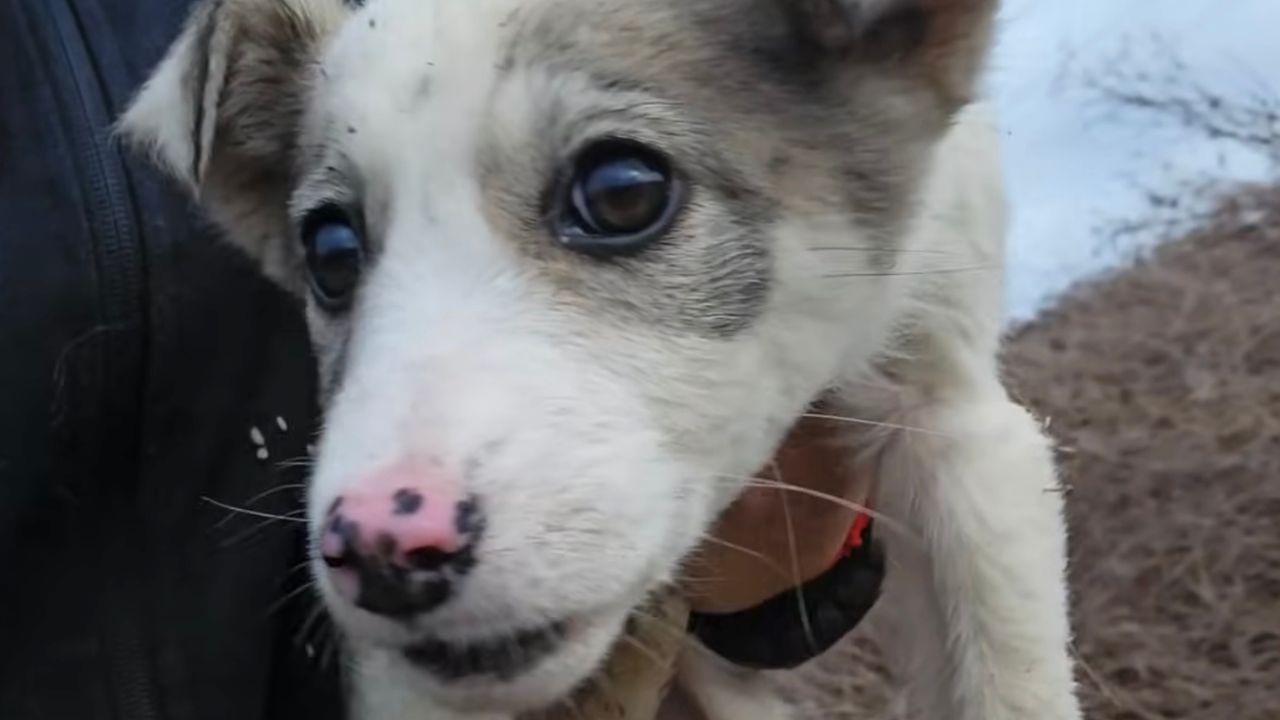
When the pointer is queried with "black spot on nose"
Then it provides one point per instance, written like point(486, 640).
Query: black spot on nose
point(469, 520)
point(349, 532)
point(406, 501)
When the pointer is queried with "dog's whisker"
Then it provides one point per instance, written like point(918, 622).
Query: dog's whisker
point(331, 652)
point(891, 523)
point(696, 555)
point(272, 491)
point(645, 651)
point(739, 548)
point(873, 423)
point(686, 580)
point(287, 597)
point(794, 554)
point(885, 250)
point(245, 506)
point(693, 593)
point(911, 273)
point(252, 513)
point(677, 632)
point(250, 532)
point(301, 462)
point(309, 625)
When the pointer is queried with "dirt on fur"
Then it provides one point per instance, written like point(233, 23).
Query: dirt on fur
point(1161, 383)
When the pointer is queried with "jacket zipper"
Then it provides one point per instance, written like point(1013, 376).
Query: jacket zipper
point(121, 284)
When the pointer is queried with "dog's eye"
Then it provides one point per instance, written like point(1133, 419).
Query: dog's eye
point(622, 196)
point(335, 256)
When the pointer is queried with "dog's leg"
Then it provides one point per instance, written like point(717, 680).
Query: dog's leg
point(975, 606)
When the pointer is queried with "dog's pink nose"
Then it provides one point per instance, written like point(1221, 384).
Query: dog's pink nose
point(400, 540)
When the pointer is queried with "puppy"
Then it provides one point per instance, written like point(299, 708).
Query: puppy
point(574, 267)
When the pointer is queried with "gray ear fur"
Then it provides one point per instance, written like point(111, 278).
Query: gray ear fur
point(942, 42)
point(221, 112)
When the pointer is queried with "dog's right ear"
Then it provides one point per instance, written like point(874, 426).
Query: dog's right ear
point(221, 112)
point(942, 43)
point(235, 80)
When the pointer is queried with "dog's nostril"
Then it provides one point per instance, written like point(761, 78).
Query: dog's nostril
point(339, 538)
point(428, 558)
point(407, 501)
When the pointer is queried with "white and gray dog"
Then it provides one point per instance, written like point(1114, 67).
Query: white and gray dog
point(573, 268)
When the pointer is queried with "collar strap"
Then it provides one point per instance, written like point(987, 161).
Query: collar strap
point(776, 636)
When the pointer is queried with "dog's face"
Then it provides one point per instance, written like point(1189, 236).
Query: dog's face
point(572, 269)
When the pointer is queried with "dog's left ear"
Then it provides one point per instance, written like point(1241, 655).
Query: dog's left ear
point(943, 43)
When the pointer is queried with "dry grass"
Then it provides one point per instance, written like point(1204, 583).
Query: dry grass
point(1162, 384)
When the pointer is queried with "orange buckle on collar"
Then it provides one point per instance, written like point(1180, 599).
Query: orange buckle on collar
point(856, 532)
point(856, 537)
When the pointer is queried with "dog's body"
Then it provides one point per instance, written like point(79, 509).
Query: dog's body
point(576, 267)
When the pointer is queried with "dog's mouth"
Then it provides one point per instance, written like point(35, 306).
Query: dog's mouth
point(503, 658)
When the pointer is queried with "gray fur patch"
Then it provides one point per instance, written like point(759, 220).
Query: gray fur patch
point(709, 274)
point(765, 127)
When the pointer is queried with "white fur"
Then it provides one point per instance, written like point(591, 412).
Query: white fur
point(973, 615)
point(601, 451)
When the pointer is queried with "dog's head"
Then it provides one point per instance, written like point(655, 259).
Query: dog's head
point(572, 269)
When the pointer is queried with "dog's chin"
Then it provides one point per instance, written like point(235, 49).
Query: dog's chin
point(517, 672)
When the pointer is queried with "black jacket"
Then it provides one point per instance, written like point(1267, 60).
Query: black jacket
point(136, 356)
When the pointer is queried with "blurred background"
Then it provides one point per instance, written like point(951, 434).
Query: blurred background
point(1079, 161)
point(1142, 144)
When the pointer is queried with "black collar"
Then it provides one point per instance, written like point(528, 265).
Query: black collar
point(798, 625)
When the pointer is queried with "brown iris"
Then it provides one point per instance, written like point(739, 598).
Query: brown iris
point(620, 199)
